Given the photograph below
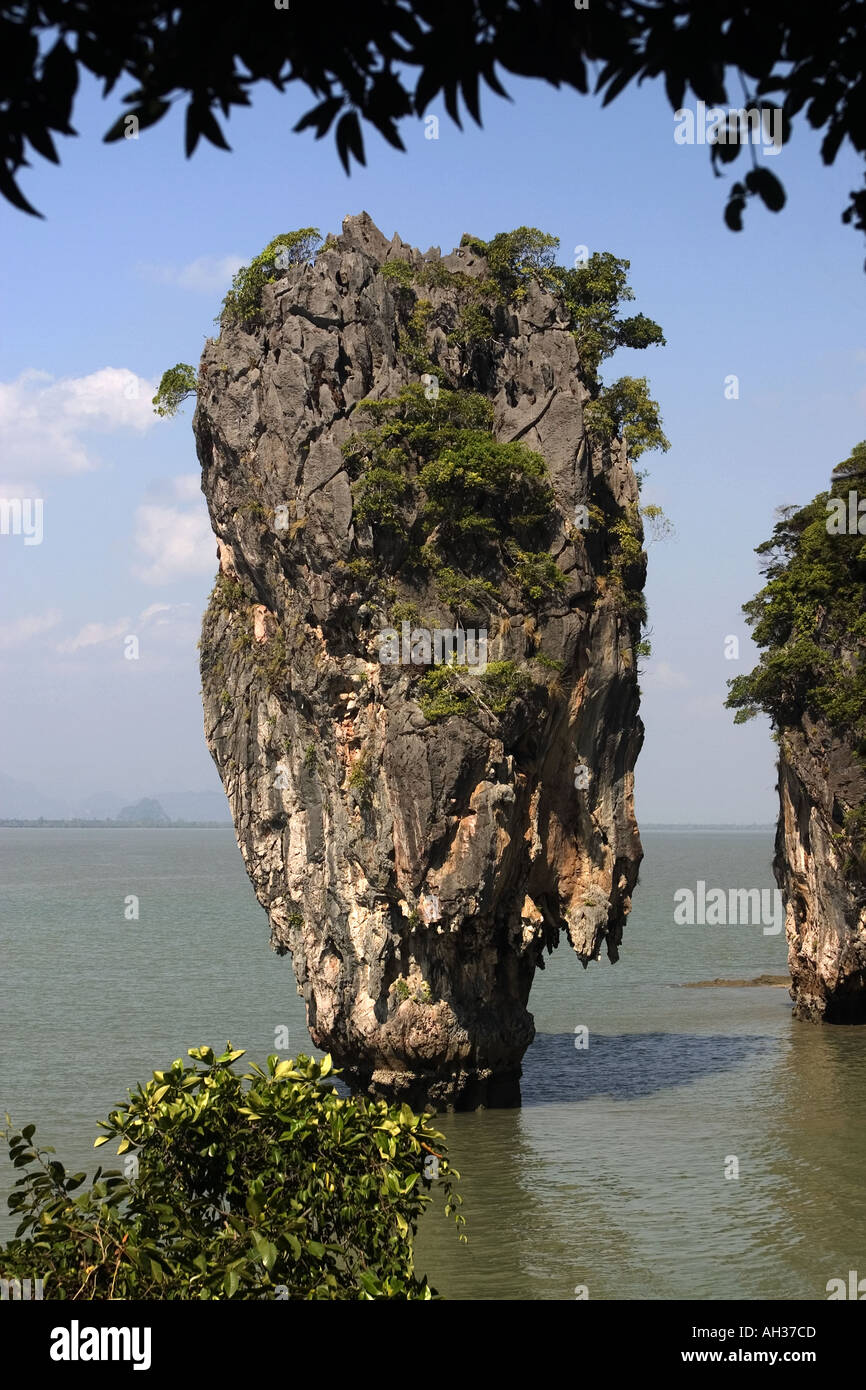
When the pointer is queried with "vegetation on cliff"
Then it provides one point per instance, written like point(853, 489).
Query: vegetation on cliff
point(450, 509)
point(591, 294)
point(243, 301)
point(810, 618)
point(176, 385)
point(431, 476)
point(810, 621)
point(266, 1185)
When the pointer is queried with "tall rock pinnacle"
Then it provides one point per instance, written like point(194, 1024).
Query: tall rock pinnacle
point(420, 831)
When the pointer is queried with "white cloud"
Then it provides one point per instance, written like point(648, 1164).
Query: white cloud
point(16, 633)
point(42, 419)
point(94, 634)
point(206, 275)
point(173, 618)
point(174, 538)
point(708, 707)
point(662, 676)
point(186, 487)
point(155, 608)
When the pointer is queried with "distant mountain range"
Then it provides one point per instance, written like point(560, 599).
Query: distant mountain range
point(22, 801)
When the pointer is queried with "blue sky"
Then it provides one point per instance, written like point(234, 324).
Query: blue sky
point(126, 272)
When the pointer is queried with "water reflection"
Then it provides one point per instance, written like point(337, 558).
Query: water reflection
point(629, 1064)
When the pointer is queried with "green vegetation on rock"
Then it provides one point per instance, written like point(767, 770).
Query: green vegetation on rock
point(626, 411)
point(430, 472)
point(810, 618)
point(243, 301)
point(176, 385)
point(450, 690)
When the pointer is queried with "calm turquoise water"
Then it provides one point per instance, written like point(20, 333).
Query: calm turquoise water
point(612, 1175)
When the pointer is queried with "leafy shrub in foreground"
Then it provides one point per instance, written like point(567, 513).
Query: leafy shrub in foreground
point(262, 1185)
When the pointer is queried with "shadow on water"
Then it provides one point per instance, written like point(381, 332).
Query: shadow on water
point(629, 1065)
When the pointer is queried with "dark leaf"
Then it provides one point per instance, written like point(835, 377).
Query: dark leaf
point(831, 142)
point(41, 141)
point(349, 139)
point(210, 129)
point(449, 94)
point(193, 129)
point(767, 187)
point(734, 210)
point(619, 83)
point(60, 77)
point(469, 87)
point(675, 87)
point(493, 81)
point(320, 116)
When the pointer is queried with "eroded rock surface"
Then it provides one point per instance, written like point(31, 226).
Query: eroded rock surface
point(820, 778)
point(415, 870)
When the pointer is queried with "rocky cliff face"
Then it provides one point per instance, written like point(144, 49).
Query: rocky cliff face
point(415, 867)
point(819, 780)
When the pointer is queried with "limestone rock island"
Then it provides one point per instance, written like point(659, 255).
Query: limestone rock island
point(388, 445)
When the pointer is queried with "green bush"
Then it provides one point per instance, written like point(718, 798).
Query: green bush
point(474, 326)
point(258, 1186)
point(627, 554)
point(476, 484)
point(176, 385)
point(537, 574)
point(383, 494)
point(413, 338)
point(515, 258)
point(440, 697)
point(502, 684)
point(810, 621)
point(228, 594)
point(401, 272)
point(626, 411)
point(244, 300)
point(361, 780)
point(461, 592)
point(592, 295)
point(432, 472)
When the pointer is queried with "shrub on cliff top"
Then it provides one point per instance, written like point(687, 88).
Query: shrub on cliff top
point(244, 300)
point(514, 258)
point(267, 1185)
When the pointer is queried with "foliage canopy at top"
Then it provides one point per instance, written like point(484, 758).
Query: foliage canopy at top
point(389, 60)
point(810, 617)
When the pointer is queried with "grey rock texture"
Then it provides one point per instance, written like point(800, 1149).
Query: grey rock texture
point(416, 871)
point(824, 894)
